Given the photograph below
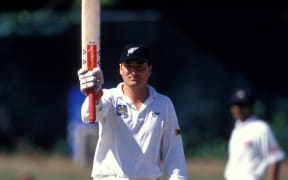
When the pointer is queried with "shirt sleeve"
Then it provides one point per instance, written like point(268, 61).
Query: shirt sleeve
point(172, 148)
point(270, 150)
point(275, 154)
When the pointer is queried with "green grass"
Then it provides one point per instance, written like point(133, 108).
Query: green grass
point(62, 168)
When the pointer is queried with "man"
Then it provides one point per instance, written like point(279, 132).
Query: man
point(138, 127)
point(253, 150)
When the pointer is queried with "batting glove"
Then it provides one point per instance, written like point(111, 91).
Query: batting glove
point(90, 79)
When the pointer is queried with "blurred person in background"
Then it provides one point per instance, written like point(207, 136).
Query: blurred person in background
point(138, 126)
point(253, 151)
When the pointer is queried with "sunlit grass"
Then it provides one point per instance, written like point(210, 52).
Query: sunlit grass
point(62, 168)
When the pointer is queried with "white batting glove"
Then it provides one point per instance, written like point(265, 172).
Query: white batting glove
point(90, 79)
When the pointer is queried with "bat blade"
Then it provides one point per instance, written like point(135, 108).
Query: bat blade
point(90, 44)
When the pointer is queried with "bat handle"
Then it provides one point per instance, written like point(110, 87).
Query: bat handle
point(92, 111)
point(91, 63)
point(92, 102)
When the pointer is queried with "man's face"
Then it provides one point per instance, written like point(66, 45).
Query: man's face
point(240, 112)
point(135, 74)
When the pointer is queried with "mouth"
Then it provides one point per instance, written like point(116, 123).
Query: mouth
point(133, 78)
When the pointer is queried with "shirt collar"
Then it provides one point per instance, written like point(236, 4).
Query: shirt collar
point(151, 97)
point(240, 123)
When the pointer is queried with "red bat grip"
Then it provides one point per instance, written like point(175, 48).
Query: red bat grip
point(92, 99)
point(92, 111)
point(91, 63)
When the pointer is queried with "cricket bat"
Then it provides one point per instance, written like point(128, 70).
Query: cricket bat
point(90, 43)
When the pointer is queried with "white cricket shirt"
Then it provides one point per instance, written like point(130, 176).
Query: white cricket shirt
point(132, 141)
point(252, 148)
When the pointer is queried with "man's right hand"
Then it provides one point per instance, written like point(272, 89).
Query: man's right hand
point(90, 79)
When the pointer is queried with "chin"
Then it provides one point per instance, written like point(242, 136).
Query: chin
point(133, 85)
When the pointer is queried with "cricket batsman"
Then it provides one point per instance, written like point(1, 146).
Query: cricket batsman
point(139, 133)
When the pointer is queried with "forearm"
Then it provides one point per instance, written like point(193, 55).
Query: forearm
point(273, 171)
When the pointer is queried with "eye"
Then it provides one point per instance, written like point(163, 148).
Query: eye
point(140, 67)
point(136, 67)
point(129, 66)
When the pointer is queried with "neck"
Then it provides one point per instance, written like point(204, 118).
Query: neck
point(245, 117)
point(136, 94)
